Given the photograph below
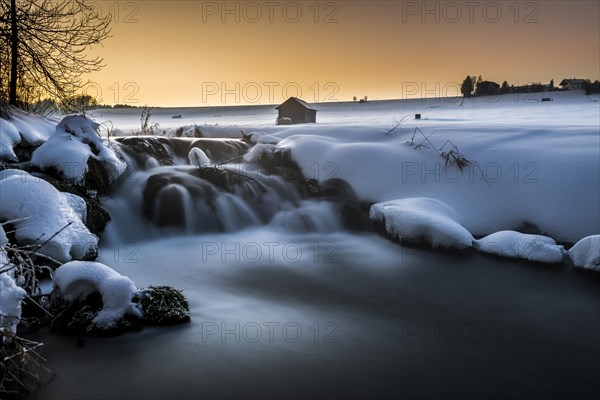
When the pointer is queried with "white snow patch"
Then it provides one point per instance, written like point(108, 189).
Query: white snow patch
point(33, 129)
point(10, 303)
point(9, 138)
point(77, 204)
point(45, 211)
point(10, 294)
point(521, 245)
point(198, 158)
point(259, 151)
point(69, 148)
point(422, 219)
point(78, 279)
point(586, 253)
point(262, 137)
point(3, 242)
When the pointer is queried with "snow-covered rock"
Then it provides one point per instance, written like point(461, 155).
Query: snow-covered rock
point(10, 294)
point(74, 142)
point(9, 138)
point(78, 279)
point(34, 129)
point(3, 242)
point(40, 211)
point(198, 158)
point(521, 245)
point(586, 253)
point(260, 137)
point(10, 302)
point(77, 204)
point(261, 150)
point(422, 219)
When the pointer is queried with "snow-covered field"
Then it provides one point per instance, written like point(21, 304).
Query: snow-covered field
point(477, 166)
point(511, 176)
point(531, 162)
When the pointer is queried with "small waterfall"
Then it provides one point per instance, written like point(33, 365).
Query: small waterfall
point(310, 216)
point(174, 207)
point(235, 213)
point(150, 151)
point(165, 195)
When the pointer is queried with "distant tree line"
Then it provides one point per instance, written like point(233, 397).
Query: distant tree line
point(592, 87)
point(474, 87)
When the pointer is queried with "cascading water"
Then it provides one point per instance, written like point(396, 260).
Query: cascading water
point(286, 302)
point(164, 195)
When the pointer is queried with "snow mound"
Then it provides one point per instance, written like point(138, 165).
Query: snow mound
point(10, 294)
point(422, 219)
point(262, 137)
point(78, 279)
point(75, 141)
point(586, 253)
point(10, 303)
point(77, 204)
point(260, 151)
point(33, 129)
point(3, 242)
point(198, 158)
point(41, 211)
point(9, 138)
point(521, 245)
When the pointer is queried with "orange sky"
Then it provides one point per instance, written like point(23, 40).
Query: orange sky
point(199, 53)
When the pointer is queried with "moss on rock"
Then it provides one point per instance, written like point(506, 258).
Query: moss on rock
point(163, 305)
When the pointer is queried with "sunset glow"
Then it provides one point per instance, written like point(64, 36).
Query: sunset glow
point(194, 53)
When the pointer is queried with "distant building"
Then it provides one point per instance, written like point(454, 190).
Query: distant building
point(573, 84)
point(487, 88)
point(297, 110)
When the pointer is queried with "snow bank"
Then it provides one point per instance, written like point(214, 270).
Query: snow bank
point(46, 211)
point(68, 150)
point(9, 138)
point(10, 303)
point(586, 253)
point(3, 242)
point(10, 294)
point(78, 279)
point(261, 137)
point(520, 245)
point(422, 219)
point(542, 171)
point(260, 151)
point(198, 158)
point(33, 129)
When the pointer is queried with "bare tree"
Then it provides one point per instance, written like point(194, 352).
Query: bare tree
point(45, 44)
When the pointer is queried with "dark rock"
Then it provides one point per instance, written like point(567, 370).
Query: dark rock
point(97, 217)
point(221, 150)
point(140, 148)
point(76, 317)
point(337, 190)
point(355, 216)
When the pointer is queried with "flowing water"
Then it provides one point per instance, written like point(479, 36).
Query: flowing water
point(287, 302)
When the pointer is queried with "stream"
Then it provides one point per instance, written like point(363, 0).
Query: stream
point(287, 301)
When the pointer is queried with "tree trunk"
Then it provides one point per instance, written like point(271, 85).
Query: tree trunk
point(14, 53)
